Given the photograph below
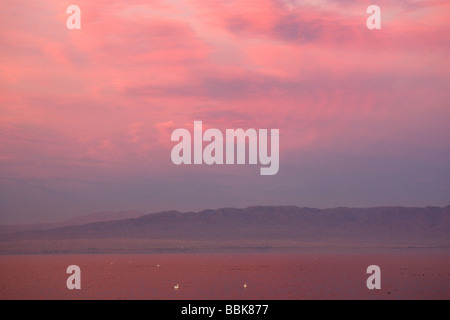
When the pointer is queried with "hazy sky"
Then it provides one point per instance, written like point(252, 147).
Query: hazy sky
point(86, 115)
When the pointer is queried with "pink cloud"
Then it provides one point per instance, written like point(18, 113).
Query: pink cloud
point(87, 115)
point(136, 69)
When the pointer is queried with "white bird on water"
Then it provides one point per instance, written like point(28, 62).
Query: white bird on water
point(245, 285)
point(176, 287)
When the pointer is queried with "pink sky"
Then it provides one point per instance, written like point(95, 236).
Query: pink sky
point(86, 115)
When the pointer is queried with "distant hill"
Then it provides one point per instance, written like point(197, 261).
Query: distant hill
point(81, 220)
point(385, 225)
point(103, 216)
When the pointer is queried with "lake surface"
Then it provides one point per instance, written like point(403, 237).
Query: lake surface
point(404, 275)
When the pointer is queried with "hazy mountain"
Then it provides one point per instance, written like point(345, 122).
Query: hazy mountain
point(81, 220)
point(102, 216)
point(429, 225)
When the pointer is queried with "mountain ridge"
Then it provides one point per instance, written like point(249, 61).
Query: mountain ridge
point(377, 224)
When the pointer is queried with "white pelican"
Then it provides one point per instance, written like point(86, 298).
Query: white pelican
point(176, 287)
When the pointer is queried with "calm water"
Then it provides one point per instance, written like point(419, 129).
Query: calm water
point(222, 276)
